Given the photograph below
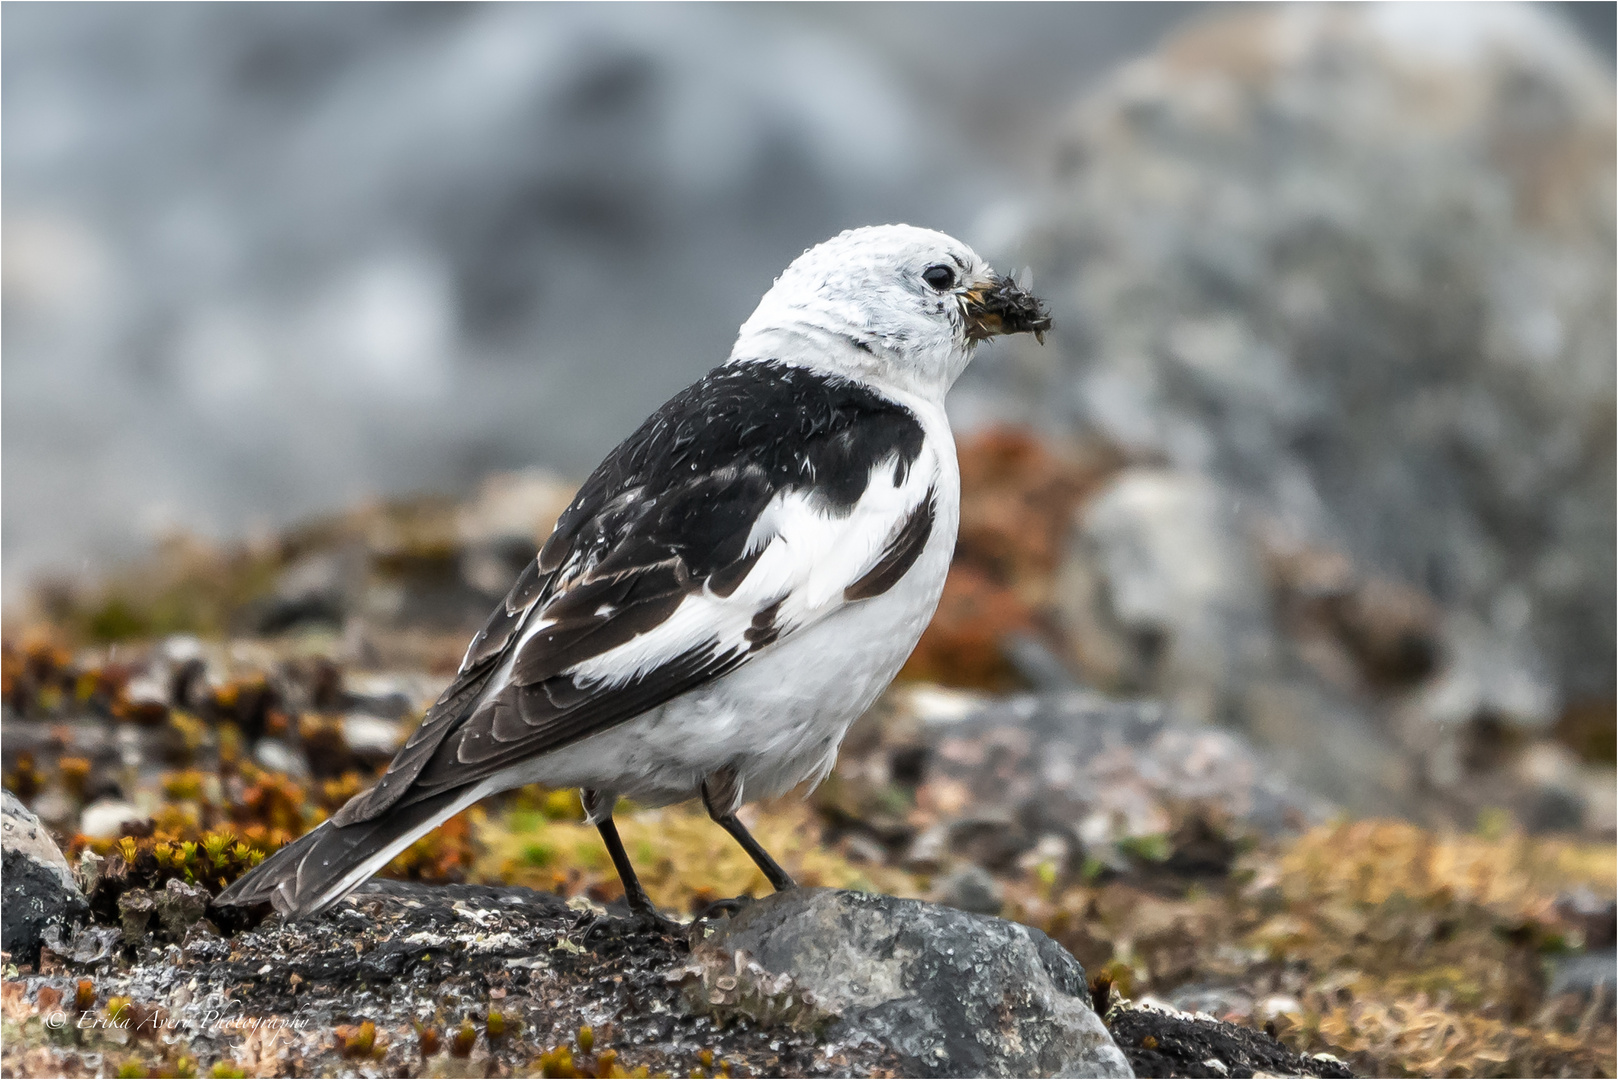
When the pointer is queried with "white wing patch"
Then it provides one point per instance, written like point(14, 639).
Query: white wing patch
point(809, 557)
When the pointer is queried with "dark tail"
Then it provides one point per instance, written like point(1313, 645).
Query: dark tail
point(321, 867)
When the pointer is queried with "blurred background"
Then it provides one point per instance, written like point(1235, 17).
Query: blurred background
point(263, 260)
point(313, 314)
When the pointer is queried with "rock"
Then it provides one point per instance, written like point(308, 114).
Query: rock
point(277, 755)
point(1161, 590)
point(135, 910)
point(1595, 917)
point(179, 906)
point(1212, 999)
point(398, 955)
point(1166, 1042)
point(949, 993)
point(1082, 765)
point(972, 889)
point(86, 946)
point(318, 588)
point(39, 890)
point(504, 524)
point(1356, 266)
point(1585, 974)
point(106, 818)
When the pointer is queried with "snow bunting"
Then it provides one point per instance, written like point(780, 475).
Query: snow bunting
point(731, 588)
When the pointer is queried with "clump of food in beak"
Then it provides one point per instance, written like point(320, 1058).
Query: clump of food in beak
point(1004, 307)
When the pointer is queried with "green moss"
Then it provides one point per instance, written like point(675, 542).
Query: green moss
point(539, 855)
point(1155, 848)
point(117, 620)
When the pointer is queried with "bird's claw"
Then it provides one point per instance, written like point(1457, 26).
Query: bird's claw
point(656, 922)
point(592, 926)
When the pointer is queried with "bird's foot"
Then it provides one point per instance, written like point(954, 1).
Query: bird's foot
point(594, 926)
point(650, 920)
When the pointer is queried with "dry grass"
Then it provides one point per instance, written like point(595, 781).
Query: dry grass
point(685, 861)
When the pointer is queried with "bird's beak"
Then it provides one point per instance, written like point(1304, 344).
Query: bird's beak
point(1001, 306)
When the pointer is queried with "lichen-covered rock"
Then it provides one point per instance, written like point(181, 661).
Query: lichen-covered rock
point(952, 994)
point(39, 890)
point(419, 980)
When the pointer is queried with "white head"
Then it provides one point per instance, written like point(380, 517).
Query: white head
point(892, 304)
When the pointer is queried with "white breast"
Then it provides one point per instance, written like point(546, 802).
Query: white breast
point(778, 718)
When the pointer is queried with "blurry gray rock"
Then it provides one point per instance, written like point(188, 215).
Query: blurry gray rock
point(950, 993)
point(973, 889)
point(1357, 264)
point(39, 890)
point(1162, 590)
point(1484, 676)
point(277, 755)
point(320, 587)
point(1584, 974)
point(1095, 769)
point(502, 526)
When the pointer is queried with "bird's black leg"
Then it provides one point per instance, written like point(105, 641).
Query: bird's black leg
point(634, 895)
point(719, 795)
point(640, 905)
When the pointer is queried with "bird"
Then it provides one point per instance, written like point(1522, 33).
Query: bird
point(731, 588)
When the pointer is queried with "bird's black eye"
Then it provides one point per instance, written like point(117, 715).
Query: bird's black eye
point(939, 277)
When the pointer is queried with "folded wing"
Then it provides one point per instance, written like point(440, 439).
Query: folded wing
point(757, 502)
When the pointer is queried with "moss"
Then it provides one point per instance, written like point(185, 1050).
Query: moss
point(582, 1059)
point(1405, 951)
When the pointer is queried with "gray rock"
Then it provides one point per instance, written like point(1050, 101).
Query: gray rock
point(85, 945)
point(135, 911)
point(950, 993)
point(1162, 587)
point(1094, 768)
point(1585, 974)
point(1385, 323)
point(277, 755)
point(973, 889)
point(1163, 590)
point(39, 891)
point(180, 905)
point(317, 588)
